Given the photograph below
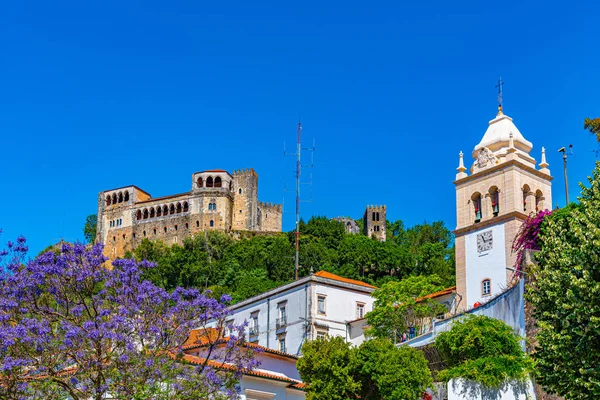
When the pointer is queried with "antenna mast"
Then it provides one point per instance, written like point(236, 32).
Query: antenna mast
point(298, 172)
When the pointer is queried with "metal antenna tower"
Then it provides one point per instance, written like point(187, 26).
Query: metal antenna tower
point(298, 171)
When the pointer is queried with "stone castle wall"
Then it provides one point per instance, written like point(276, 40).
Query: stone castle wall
point(128, 215)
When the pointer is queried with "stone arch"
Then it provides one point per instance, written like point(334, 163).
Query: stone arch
point(476, 200)
point(114, 198)
point(209, 181)
point(126, 197)
point(539, 201)
point(186, 206)
point(200, 182)
point(179, 208)
point(494, 194)
point(146, 213)
point(152, 213)
point(120, 198)
point(218, 182)
point(159, 211)
point(527, 206)
point(171, 209)
point(138, 215)
point(165, 210)
point(108, 200)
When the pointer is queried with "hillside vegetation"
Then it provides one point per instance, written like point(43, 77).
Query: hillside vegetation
point(253, 264)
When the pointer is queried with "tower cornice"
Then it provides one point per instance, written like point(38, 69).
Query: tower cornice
point(502, 166)
point(489, 222)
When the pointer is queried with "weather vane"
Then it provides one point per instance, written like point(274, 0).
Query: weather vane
point(499, 86)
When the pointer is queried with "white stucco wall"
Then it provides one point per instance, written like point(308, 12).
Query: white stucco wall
point(466, 390)
point(264, 389)
point(486, 265)
point(340, 307)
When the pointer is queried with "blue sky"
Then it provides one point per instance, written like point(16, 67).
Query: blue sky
point(100, 95)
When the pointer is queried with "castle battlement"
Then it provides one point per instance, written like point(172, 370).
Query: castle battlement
point(217, 200)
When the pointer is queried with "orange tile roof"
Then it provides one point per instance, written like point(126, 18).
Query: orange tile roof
point(438, 294)
point(226, 366)
point(329, 275)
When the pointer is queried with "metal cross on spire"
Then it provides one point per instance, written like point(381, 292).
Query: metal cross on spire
point(499, 86)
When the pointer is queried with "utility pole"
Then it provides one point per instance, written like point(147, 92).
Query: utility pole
point(566, 153)
point(298, 173)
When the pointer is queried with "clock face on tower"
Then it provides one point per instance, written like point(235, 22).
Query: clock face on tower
point(484, 241)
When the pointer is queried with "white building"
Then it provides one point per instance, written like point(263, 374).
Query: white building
point(275, 378)
point(317, 305)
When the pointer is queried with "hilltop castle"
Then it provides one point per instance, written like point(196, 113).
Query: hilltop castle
point(218, 200)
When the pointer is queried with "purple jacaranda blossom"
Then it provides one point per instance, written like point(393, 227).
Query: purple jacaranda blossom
point(97, 327)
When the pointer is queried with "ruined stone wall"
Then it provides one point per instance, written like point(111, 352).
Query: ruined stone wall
point(270, 217)
point(245, 203)
point(375, 222)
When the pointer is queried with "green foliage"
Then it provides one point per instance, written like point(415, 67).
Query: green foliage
point(484, 350)
point(565, 293)
point(400, 305)
point(388, 372)
point(89, 229)
point(256, 263)
point(592, 125)
point(377, 370)
point(327, 366)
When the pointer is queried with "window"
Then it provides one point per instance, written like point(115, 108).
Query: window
point(495, 197)
point(282, 315)
point(111, 224)
point(108, 200)
point(152, 213)
point(476, 200)
point(200, 182)
point(212, 223)
point(281, 340)
point(155, 231)
point(197, 224)
point(253, 325)
point(227, 328)
point(209, 181)
point(171, 209)
point(134, 235)
point(175, 227)
point(218, 182)
point(321, 334)
point(145, 214)
point(126, 196)
point(240, 191)
point(186, 206)
point(139, 215)
point(360, 310)
point(158, 211)
point(486, 287)
point(187, 226)
point(144, 233)
point(321, 305)
point(179, 208)
point(165, 228)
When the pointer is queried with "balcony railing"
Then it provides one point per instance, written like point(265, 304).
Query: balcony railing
point(281, 322)
point(254, 330)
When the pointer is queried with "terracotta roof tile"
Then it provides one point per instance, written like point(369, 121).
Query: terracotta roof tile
point(329, 275)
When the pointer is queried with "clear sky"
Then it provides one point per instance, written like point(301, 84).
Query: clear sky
point(97, 95)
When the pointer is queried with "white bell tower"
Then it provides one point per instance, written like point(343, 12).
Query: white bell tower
point(504, 187)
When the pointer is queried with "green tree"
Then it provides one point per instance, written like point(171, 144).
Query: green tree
point(388, 372)
point(377, 370)
point(484, 350)
point(327, 366)
point(400, 305)
point(592, 125)
point(564, 292)
point(89, 229)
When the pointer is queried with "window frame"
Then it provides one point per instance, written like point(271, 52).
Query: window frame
point(489, 282)
point(363, 307)
point(324, 297)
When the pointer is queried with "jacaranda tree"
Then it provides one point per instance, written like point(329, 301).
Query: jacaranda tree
point(72, 326)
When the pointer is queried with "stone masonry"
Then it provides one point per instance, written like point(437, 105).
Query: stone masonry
point(218, 201)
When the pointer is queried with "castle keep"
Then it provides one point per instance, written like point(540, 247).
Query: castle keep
point(218, 200)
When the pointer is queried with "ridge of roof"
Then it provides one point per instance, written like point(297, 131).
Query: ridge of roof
point(329, 275)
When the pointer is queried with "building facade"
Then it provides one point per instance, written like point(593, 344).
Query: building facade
point(217, 200)
point(503, 189)
point(318, 305)
point(375, 222)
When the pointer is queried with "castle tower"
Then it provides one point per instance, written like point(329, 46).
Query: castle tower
point(245, 203)
point(504, 188)
point(374, 222)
